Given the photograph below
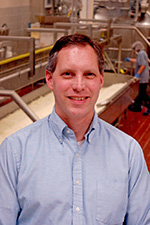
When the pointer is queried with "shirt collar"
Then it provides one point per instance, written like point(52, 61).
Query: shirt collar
point(60, 128)
point(57, 124)
point(91, 131)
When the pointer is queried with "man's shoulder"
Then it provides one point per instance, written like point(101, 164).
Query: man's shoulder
point(116, 139)
point(111, 130)
point(32, 129)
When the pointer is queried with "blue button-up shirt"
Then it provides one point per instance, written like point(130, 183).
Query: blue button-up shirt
point(47, 179)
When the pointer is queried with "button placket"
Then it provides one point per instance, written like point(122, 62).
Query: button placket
point(77, 190)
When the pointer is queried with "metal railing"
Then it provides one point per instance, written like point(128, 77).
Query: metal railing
point(132, 28)
point(73, 26)
point(20, 103)
point(30, 70)
point(55, 31)
point(31, 49)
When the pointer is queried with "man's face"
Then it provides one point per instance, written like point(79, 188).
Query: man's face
point(75, 82)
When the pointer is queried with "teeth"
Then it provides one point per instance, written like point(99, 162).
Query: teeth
point(78, 98)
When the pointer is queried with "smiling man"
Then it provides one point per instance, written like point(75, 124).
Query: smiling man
point(76, 83)
point(72, 168)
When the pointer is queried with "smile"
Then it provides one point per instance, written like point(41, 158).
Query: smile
point(78, 98)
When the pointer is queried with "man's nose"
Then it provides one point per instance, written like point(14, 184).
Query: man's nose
point(78, 83)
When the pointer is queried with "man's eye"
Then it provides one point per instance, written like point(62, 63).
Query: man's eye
point(90, 75)
point(66, 74)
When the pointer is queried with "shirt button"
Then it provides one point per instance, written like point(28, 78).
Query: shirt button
point(77, 182)
point(90, 141)
point(77, 154)
point(77, 209)
point(68, 131)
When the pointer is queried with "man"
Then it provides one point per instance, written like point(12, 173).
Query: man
point(142, 72)
point(71, 168)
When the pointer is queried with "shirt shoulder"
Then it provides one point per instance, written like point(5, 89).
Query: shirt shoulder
point(32, 129)
point(116, 137)
point(27, 139)
point(120, 145)
point(142, 57)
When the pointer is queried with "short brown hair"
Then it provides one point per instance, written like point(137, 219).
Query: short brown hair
point(73, 40)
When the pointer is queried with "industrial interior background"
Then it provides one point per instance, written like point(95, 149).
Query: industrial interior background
point(28, 29)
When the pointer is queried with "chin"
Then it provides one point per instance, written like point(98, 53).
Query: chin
point(79, 113)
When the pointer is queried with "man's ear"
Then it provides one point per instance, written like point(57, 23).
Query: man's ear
point(102, 80)
point(49, 81)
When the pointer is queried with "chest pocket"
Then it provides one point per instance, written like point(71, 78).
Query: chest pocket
point(112, 198)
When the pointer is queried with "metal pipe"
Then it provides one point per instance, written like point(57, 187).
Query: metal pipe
point(49, 30)
point(14, 38)
point(19, 73)
point(20, 103)
point(24, 55)
point(119, 56)
point(72, 25)
point(14, 58)
point(108, 30)
point(103, 23)
point(14, 75)
point(137, 11)
point(89, 20)
point(118, 37)
point(122, 49)
point(132, 28)
point(69, 24)
point(32, 57)
point(74, 9)
point(108, 24)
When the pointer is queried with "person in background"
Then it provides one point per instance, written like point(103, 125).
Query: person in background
point(141, 72)
point(71, 167)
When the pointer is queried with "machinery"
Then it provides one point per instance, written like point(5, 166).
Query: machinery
point(118, 8)
point(139, 7)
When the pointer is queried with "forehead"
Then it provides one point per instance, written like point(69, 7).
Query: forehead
point(78, 46)
point(80, 53)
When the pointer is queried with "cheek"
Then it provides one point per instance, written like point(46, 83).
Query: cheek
point(96, 85)
point(61, 86)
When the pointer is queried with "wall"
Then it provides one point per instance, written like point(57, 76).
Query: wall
point(16, 14)
point(37, 8)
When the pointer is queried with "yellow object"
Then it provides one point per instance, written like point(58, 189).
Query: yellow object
point(35, 35)
point(69, 13)
point(24, 55)
point(122, 71)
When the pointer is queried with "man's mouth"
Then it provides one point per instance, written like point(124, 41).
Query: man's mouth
point(78, 98)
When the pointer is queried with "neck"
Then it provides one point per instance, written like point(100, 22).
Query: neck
point(79, 126)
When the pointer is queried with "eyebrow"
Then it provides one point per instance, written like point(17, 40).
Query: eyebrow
point(68, 69)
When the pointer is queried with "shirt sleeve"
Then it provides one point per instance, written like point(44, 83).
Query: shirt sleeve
point(138, 211)
point(9, 206)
